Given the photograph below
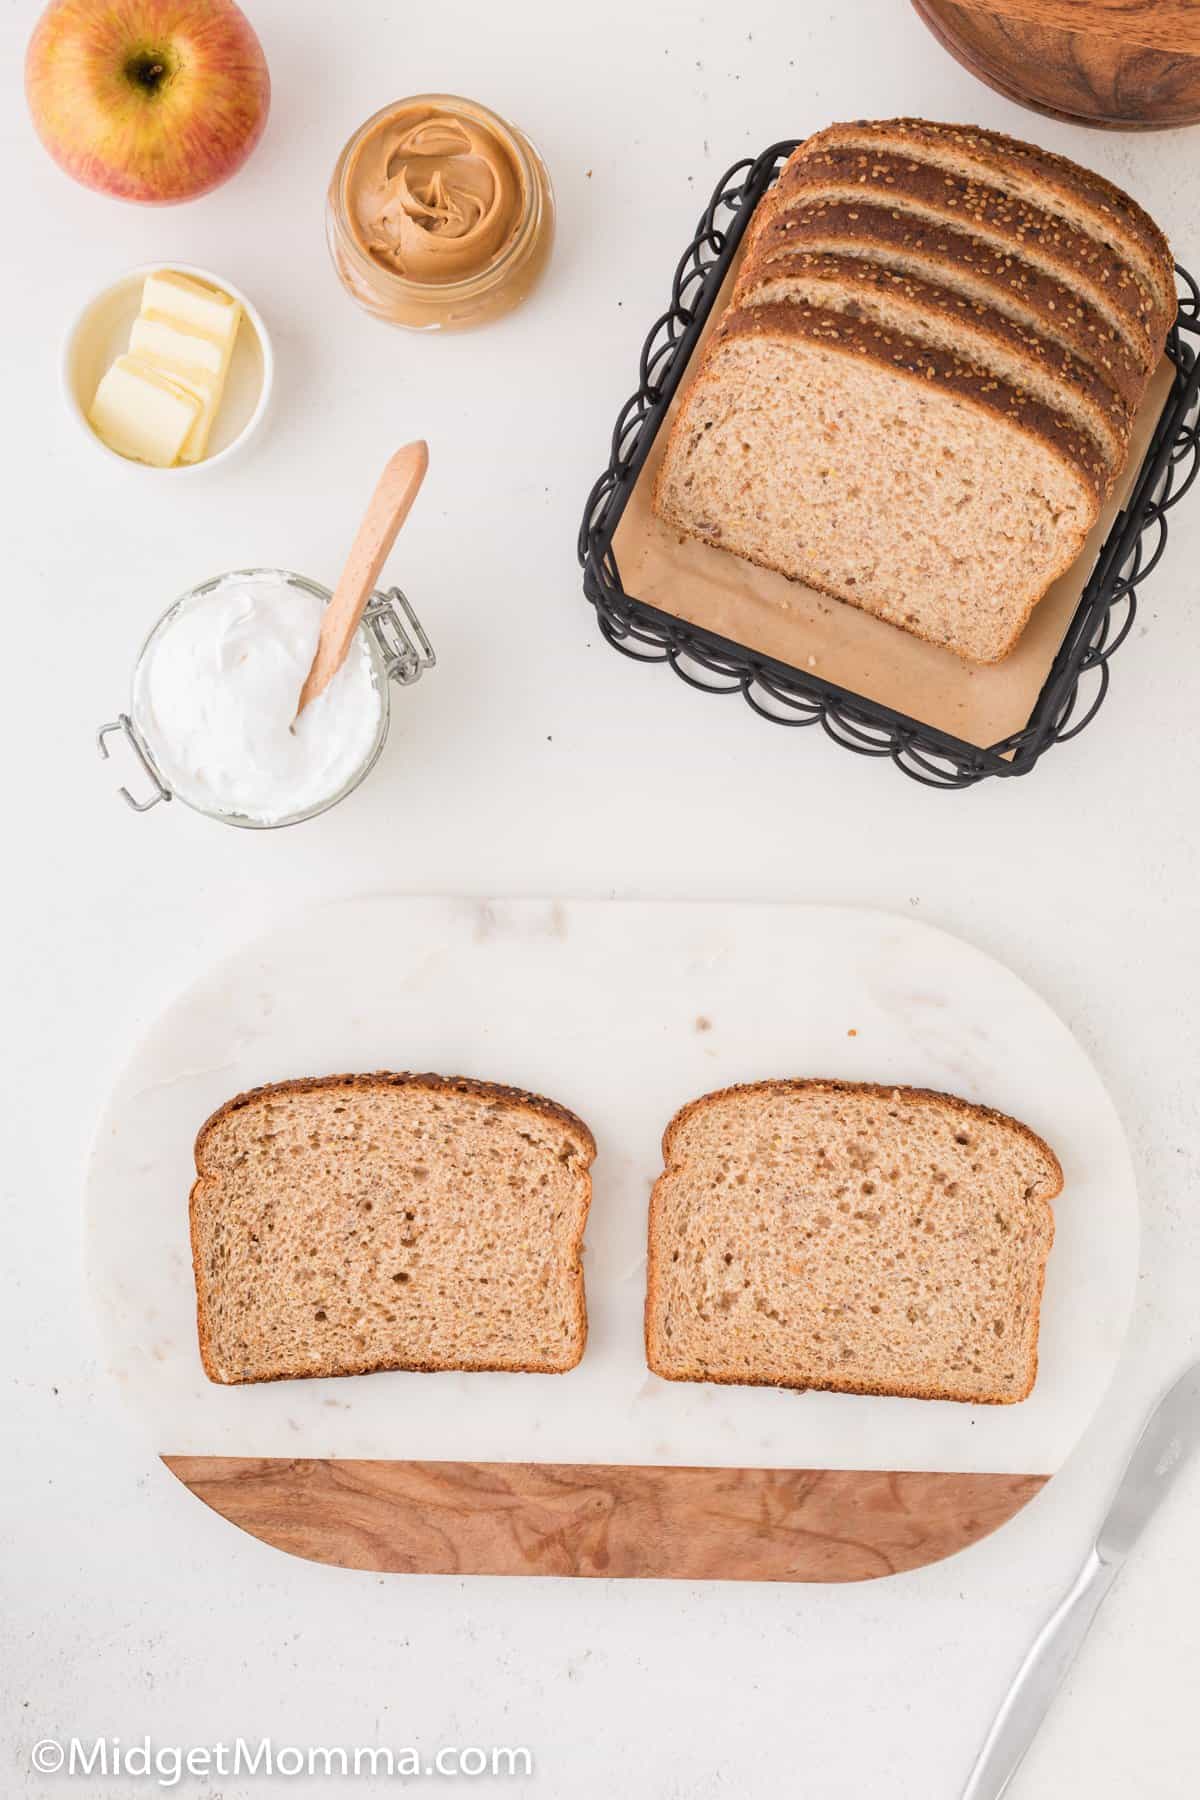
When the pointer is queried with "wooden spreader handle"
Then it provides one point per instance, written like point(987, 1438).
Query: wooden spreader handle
point(390, 505)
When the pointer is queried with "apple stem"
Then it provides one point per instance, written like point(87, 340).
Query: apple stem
point(147, 71)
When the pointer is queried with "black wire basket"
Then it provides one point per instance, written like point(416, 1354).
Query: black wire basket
point(1078, 680)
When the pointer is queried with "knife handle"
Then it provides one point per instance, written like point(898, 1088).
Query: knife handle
point(1037, 1681)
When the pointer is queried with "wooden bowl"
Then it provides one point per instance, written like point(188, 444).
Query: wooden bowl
point(1123, 65)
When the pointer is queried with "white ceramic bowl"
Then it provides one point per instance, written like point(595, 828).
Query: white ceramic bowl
point(100, 333)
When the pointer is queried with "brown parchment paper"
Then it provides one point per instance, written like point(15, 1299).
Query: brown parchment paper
point(786, 620)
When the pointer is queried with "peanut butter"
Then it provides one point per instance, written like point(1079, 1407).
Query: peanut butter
point(433, 197)
point(440, 214)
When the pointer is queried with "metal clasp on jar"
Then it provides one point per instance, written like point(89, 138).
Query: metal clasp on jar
point(124, 724)
point(385, 617)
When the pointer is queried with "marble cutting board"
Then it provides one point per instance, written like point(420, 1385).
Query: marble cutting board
point(622, 1012)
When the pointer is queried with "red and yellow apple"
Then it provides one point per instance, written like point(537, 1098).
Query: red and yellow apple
point(148, 100)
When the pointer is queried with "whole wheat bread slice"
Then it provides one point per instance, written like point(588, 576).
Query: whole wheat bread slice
point(360, 1222)
point(966, 328)
point(1086, 200)
point(918, 487)
point(1017, 226)
point(866, 1240)
point(953, 258)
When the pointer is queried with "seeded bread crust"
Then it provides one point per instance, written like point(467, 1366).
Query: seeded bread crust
point(992, 215)
point(887, 237)
point(1051, 181)
point(952, 1104)
point(854, 287)
point(535, 1104)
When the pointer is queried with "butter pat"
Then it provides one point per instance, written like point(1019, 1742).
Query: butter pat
point(204, 386)
point(161, 340)
point(142, 414)
point(169, 295)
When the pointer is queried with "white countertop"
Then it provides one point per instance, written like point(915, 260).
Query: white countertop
point(535, 760)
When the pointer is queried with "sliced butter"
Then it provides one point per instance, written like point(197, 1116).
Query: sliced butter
point(161, 340)
point(142, 414)
point(192, 303)
point(204, 386)
point(180, 348)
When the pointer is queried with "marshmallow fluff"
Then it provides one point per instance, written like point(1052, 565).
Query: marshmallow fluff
point(215, 698)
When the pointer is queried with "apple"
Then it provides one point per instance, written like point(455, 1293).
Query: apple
point(148, 100)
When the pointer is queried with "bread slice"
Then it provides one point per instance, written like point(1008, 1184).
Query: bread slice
point(881, 470)
point(963, 327)
point(360, 1222)
point(867, 1240)
point(1082, 198)
point(952, 258)
point(1093, 270)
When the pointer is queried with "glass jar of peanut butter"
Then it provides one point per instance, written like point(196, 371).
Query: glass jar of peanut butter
point(440, 214)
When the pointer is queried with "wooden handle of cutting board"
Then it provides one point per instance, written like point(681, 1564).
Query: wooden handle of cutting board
point(597, 1519)
point(390, 506)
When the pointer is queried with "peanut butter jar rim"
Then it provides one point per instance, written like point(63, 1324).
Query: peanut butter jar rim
point(538, 196)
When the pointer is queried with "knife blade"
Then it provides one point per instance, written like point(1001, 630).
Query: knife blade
point(1168, 1438)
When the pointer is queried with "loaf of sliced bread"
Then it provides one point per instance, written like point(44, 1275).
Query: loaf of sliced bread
point(882, 470)
point(952, 258)
point(360, 1222)
point(965, 328)
point(868, 1240)
point(1094, 270)
point(1002, 311)
point(1084, 199)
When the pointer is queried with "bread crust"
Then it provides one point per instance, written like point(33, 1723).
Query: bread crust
point(989, 212)
point(434, 1084)
point(979, 323)
point(878, 1090)
point(992, 152)
point(1052, 307)
point(545, 1110)
point(920, 363)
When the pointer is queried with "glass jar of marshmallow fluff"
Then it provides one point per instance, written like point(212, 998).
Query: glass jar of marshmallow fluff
point(212, 713)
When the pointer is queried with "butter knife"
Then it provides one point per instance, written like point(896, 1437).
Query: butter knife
point(1168, 1438)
